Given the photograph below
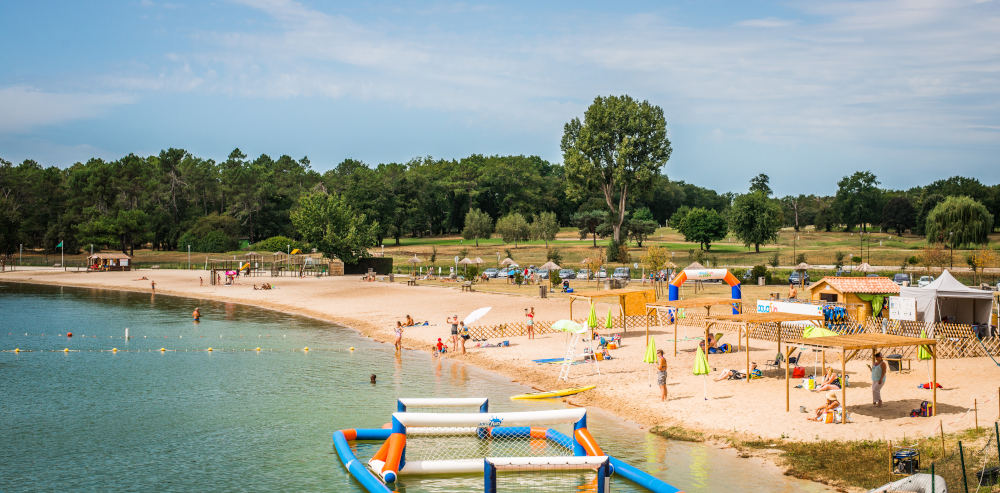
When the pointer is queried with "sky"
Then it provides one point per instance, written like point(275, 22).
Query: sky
point(806, 92)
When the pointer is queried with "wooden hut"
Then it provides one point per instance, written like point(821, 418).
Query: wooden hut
point(108, 262)
point(864, 296)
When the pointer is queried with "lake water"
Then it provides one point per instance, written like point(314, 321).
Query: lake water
point(237, 420)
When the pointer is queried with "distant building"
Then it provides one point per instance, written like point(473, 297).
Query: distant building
point(109, 261)
point(857, 293)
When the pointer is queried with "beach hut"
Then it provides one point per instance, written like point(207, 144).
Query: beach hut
point(109, 261)
point(866, 296)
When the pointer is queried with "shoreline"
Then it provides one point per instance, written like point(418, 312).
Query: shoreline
point(624, 387)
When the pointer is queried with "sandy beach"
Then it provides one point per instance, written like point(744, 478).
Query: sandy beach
point(625, 385)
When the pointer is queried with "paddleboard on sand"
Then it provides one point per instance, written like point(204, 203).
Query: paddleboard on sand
point(553, 393)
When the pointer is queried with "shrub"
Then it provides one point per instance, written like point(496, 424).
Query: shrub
point(213, 241)
point(760, 271)
point(277, 244)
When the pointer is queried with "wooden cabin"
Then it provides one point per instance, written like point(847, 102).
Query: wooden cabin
point(109, 262)
point(856, 293)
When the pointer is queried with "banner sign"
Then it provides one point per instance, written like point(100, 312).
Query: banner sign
point(901, 308)
point(768, 306)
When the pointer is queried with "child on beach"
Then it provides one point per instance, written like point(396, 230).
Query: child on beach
point(399, 337)
point(661, 374)
point(440, 347)
point(530, 322)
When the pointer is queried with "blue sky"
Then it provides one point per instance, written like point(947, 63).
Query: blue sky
point(804, 91)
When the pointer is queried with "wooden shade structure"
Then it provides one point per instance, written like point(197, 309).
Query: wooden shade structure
point(851, 345)
point(590, 296)
point(759, 318)
point(706, 303)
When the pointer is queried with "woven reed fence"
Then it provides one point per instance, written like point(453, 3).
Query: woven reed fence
point(513, 329)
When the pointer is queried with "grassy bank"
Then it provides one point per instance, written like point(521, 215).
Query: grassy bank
point(865, 463)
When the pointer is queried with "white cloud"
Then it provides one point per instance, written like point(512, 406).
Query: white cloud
point(26, 108)
point(767, 22)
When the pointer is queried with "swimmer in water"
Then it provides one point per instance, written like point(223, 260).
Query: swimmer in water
point(373, 379)
point(196, 315)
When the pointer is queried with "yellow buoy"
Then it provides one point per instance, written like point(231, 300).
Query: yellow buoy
point(350, 349)
point(17, 350)
point(210, 350)
point(257, 349)
point(114, 350)
point(306, 349)
point(65, 349)
point(163, 349)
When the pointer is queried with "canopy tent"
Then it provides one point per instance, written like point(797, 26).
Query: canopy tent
point(851, 345)
point(760, 318)
point(675, 305)
point(946, 297)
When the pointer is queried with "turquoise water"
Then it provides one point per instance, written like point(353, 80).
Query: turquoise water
point(235, 419)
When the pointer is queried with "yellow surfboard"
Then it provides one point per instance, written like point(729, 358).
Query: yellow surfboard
point(553, 393)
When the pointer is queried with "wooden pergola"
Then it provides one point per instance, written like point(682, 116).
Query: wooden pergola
point(590, 296)
point(706, 303)
point(851, 345)
point(760, 318)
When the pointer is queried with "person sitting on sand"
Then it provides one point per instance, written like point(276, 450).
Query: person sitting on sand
point(728, 374)
point(711, 343)
point(440, 347)
point(830, 382)
point(409, 321)
point(792, 292)
point(832, 404)
point(143, 278)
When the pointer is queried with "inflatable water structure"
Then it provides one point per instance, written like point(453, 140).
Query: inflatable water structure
point(499, 445)
point(703, 275)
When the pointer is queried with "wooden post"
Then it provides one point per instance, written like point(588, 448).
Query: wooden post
point(975, 412)
point(676, 316)
point(934, 378)
point(786, 383)
point(621, 300)
point(647, 326)
point(843, 390)
point(746, 329)
point(571, 300)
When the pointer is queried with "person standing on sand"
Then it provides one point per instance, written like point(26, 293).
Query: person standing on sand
point(464, 333)
point(454, 330)
point(152, 286)
point(661, 374)
point(792, 292)
point(878, 380)
point(530, 322)
point(399, 337)
point(201, 281)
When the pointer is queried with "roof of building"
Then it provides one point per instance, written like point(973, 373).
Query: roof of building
point(867, 285)
point(109, 256)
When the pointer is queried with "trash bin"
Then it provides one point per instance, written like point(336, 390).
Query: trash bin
point(760, 280)
point(392, 277)
point(543, 291)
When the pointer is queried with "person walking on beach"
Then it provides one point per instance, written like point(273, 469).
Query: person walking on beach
point(152, 286)
point(529, 316)
point(878, 380)
point(661, 374)
point(399, 337)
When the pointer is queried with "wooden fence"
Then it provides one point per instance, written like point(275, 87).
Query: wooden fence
point(513, 329)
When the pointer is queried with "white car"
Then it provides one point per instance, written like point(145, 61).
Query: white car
point(924, 280)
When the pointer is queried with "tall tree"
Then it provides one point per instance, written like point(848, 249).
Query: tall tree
point(755, 219)
point(703, 226)
point(478, 224)
point(513, 228)
point(588, 222)
point(544, 227)
point(898, 214)
point(330, 224)
point(858, 200)
point(620, 145)
point(959, 221)
point(761, 183)
point(641, 225)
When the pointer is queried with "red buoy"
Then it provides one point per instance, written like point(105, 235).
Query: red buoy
point(69, 334)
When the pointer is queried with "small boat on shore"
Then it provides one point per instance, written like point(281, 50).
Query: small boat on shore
point(552, 393)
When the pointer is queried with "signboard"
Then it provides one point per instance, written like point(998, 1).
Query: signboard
point(901, 308)
point(768, 306)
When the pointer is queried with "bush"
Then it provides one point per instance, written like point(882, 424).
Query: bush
point(554, 255)
point(618, 252)
point(277, 244)
point(212, 242)
point(554, 280)
point(760, 271)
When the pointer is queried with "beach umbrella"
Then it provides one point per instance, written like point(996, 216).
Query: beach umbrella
point(650, 356)
point(592, 318)
point(549, 266)
point(507, 261)
point(694, 266)
point(817, 331)
point(924, 354)
point(478, 260)
point(413, 260)
point(701, 368)
point(466, 261)
point(864, 267)
point(607, 322)
point(476, 315)
point(569, 326)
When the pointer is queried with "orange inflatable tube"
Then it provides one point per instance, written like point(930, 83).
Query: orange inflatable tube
point(585, 439)
point(350, 434)
point(536, 432)
point(396, 441)
point(382, 451)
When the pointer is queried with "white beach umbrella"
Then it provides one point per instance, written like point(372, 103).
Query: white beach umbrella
point(476, 315)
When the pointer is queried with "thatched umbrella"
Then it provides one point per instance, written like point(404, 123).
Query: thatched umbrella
point(694, 266)
point(478, 261)
point(507, 261)
point(466, 261)
point(802, 267)
point(414, 260)
point(864, 268)
point(549, 266)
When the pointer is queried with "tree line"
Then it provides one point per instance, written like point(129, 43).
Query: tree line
point(610, 185)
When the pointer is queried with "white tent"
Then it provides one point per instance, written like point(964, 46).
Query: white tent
point(946, 297)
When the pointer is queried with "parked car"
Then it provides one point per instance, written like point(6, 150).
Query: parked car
point(747, 275)
point(543, 274)
point(491, 272)
point(901, 278)
point(622, 273)
point(503, 273)
point(793, 278)
point(584, 274)
point(924, 280)
point(567, 274)
point(601, 274)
